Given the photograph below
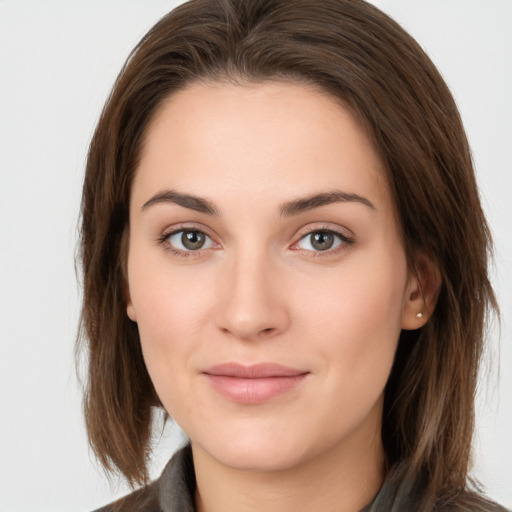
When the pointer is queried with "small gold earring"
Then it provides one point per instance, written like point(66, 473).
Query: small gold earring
point(419, 315)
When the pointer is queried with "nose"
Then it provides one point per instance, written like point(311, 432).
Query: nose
point(252, 303)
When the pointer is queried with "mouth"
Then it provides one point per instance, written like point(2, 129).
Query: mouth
point(254, 384)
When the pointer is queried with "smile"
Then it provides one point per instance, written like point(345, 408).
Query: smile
point(253, 384)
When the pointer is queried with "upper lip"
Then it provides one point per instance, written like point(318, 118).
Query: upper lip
point(253, 371)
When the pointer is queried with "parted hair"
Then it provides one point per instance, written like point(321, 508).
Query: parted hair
point(356, 53)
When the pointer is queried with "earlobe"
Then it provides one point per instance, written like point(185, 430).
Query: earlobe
point(130, 311)
point(421, 294)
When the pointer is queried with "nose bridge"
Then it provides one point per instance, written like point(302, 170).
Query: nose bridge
point(251, 304)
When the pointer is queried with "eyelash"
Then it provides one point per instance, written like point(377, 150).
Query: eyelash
point(343, 238)
point(164, 241)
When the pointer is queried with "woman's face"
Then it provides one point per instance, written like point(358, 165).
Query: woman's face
point(266, 273)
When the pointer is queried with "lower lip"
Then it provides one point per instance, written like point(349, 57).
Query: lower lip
point(253, 390)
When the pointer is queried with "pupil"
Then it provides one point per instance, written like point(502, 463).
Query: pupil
point(322, 241)
point(192, 240)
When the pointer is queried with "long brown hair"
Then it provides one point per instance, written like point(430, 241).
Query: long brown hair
point(356, 53)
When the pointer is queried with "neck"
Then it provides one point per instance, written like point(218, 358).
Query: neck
point(343, 479)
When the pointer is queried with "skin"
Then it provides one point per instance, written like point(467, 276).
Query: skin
point(260, 291)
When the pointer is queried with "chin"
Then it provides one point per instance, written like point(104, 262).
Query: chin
point(263, 458)
point(260, 452)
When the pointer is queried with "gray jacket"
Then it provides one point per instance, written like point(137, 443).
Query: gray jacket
point(174, 492)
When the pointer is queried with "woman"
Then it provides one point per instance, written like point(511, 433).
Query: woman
point(283, 247)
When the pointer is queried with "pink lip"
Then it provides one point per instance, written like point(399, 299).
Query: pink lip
point(253, 384)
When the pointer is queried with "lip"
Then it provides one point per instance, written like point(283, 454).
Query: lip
point(253, 384)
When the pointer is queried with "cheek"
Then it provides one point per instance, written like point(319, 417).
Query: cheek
point(171, 306)
point(356, 318)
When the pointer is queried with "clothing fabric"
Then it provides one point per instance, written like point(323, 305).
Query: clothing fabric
point(174, 492)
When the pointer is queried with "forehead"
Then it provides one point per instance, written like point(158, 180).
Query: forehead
point(254, 138)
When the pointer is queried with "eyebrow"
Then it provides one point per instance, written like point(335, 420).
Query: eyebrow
point(189, 201)
point(290, 208)
point(301, 205)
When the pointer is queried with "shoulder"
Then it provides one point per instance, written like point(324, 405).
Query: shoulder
point(172, 492)
point(470, 501)
point(142, 500)
point(402, 494)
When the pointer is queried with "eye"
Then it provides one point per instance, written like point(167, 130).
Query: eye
point(189, 240)
point(322, 240)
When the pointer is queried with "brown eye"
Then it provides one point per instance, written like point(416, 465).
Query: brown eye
point(193, 240)
point(322, 240)
point(189, 240)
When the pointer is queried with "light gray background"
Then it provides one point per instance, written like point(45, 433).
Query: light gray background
point(58, 60)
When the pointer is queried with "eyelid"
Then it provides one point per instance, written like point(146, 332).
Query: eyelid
point(187, 226)
point(347, 239)
point(208, 241)
point(342, 233)
point(163, 239)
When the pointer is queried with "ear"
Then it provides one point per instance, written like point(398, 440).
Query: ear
point(422, 291)
point(130, 310)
